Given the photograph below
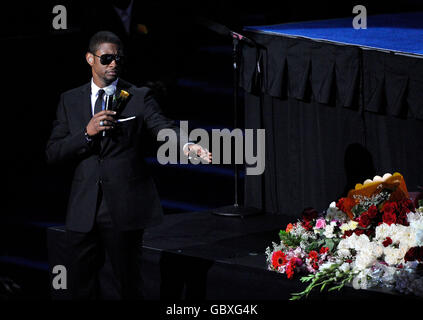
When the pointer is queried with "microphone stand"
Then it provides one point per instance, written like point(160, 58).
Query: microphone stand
point(234, 210)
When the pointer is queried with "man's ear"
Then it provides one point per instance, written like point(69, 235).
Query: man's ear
point(90, 58)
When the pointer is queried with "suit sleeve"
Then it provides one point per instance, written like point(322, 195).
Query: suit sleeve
point(62, 144)
point(156, 121)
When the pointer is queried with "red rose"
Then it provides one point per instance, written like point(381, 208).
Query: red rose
point(278, 259)
point(309, 214)
point(390, 207)
point(414, 253)
point(389, 218)
point(389, 213)
point(358, 231)
point(402, 218)
point(387, 242)
point(348, 233)
point(372, 212)
point(406, 205)
point(364, 220)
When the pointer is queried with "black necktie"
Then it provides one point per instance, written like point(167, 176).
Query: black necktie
point(99, 102)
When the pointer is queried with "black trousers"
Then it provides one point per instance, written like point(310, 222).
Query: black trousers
point(87, 253)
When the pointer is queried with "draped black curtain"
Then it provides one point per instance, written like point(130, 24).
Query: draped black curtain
point(334, 116)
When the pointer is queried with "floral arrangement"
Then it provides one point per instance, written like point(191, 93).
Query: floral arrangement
point(371, 238)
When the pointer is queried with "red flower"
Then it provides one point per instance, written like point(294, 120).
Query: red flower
point(389, 218)
point(289, 227)
point(402, 218)
point(389, 213)
point(313, 256)
point(307, 225)
point(390, 207)
point(323, 250)
point(358, 231)
point(414, 253)
point(309, 214)
point(387, 242)
point(404, 206)
point(347, 233)
point(278, 259)
point(291, 267)
point(364, 220)
point(372, 212)
point(345, 205)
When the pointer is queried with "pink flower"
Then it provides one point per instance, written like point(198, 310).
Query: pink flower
point(320, 223)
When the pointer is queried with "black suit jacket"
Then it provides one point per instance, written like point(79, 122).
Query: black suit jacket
point(115, 162)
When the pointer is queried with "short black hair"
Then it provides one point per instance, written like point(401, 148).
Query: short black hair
point(103, 37)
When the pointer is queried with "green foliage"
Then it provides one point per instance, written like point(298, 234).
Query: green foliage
point(330, 276)
point(289, 239)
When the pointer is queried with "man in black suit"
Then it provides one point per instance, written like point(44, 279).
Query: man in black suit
point(113, 197)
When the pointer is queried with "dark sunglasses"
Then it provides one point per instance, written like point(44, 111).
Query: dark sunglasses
point(107, 58)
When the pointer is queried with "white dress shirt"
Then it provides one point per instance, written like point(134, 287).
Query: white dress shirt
point(94, 93)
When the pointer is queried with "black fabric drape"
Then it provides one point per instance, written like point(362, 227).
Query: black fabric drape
point(334, 116)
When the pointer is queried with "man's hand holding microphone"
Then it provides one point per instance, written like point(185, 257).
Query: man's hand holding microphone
point(101, 121)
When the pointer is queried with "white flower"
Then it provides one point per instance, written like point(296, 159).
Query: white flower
point(393, 256)
point(325, 266)
point(416, 223)
point(419, 237)
point(351, 225)
point(345, 267)
point(360, 281)
point(343, 253)
point(363, 261)
point(402, 236)
point(329, 230)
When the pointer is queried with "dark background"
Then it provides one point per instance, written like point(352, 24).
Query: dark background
point(194, 64)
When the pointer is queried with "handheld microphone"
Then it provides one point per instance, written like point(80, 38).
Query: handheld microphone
point(109, 91)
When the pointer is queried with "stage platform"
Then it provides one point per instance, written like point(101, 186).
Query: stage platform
point(398, 33)
point(198, 256)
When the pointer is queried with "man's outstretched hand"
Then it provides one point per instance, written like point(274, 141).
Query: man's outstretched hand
point(197, 151)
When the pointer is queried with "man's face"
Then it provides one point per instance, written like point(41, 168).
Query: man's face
point(108, 73)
